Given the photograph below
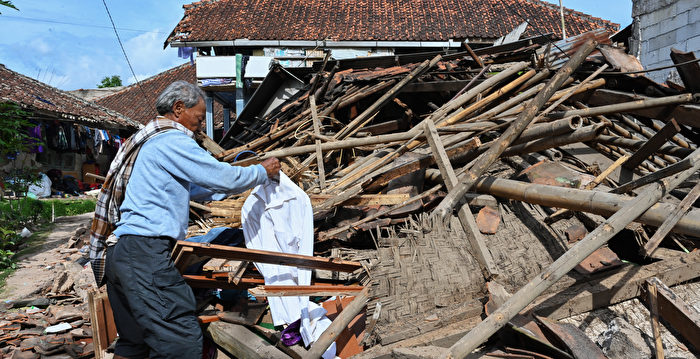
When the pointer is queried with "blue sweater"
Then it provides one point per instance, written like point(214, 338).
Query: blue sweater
point(170, 170)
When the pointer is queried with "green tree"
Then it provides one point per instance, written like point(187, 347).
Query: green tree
point(8, 4)
point(108, 81)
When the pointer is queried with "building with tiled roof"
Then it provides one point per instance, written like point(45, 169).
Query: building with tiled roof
point(396, 23)
point(137, 101)
point(46, 102)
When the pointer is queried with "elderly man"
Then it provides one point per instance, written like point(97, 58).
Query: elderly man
point(143, 209)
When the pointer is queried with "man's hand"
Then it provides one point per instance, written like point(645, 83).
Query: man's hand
point(272, 166)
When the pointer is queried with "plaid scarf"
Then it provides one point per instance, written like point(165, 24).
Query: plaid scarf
point(114, 188)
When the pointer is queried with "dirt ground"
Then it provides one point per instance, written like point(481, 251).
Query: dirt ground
point(37, 271)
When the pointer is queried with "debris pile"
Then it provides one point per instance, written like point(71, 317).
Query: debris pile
point(54, 321)
point(446, 181)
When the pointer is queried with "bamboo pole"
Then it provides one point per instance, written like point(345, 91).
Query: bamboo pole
point(654, 315)
point(594, 240)
point(598, 202)
point(514, 130)
point(627, 106)
point(317, 131)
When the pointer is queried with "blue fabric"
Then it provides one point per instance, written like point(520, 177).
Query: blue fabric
point(170, 170)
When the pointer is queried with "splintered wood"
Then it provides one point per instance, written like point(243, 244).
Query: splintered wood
point(402, 158)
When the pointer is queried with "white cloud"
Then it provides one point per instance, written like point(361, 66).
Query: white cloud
point(41, 46)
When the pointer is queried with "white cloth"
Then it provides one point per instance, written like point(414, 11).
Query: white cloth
point(278, 217)
point(42, 188)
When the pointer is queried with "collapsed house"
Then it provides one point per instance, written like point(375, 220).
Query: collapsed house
point(497, 190)
point(504, 190)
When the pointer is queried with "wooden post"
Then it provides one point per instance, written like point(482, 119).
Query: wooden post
point(678, 314)
point(319, 153)
point(654, 143)
point(567, 262)
point(654, 314)
point(474, 55)
point(514, 130)
point(477, 242)
point(671, 221)
point(339, 324)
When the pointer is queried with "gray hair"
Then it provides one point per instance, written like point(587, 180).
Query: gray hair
point(183, 91)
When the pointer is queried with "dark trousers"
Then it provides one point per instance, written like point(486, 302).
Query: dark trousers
point(153, 306)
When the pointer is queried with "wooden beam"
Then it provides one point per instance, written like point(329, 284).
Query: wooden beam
point(671, 221)
point(653, 144)
point(682, 317)
point(623, 284)
point(260, 256)
point(476, 240)
point(305, 290)
point(241, 342)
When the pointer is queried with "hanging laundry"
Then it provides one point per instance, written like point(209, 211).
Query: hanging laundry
point(36, 142)
point(278, 217)
point(186, 53)
point(62, 140)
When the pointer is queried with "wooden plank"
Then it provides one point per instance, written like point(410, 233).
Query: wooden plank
point(623, 284)
point(363, 199)
point(200, 281)
point(654, 176)
point(654, 315)
point(690, 73)
point(671, 221)
point(99, 334)
point(305, 290)
point(674, 311)
point(240, 342)
point(653, 144)
point(260, 256)
point(319, 153)
point(477, 242)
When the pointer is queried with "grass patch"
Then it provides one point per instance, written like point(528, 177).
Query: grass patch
point(42, 208)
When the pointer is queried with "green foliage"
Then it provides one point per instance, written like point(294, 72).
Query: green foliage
point(8, 4)
point(14, 135)
point(113, 81)
point(28, 212)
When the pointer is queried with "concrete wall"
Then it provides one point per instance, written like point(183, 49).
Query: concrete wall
point(660, 25)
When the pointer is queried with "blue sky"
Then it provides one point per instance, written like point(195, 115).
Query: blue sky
point(70, 44)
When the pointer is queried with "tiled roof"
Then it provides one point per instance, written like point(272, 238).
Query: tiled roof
point(139, 103)
point(43, 99)
point(375, 20)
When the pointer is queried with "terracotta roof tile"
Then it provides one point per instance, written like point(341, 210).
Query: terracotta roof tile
point(396, 20)
point(140, 105)
point(41, 98)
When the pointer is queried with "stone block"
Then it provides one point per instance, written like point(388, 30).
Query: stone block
point(664, 40)
point(689, 31)
point(650, 30)
point(693, 44)
point(673, 23)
